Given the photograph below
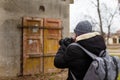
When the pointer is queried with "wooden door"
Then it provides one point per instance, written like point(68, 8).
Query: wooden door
point(32, 45)
point(40, 44)
point(52, 35)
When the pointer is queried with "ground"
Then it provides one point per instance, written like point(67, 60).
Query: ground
point(48, 76)
point(62, 75)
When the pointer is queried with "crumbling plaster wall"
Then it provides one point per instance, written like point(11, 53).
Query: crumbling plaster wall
point(11, 13)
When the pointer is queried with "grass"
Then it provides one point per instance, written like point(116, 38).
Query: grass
point(118, 77)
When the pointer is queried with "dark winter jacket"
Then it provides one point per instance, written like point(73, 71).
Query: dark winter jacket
point(75, 59)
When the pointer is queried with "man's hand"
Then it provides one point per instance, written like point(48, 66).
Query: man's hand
point(66, 41)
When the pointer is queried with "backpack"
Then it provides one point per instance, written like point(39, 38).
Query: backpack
point(103, 67)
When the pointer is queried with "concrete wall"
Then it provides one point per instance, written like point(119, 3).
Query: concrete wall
point(11, 13)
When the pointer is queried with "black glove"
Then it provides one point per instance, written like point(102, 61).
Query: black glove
point(66, 41)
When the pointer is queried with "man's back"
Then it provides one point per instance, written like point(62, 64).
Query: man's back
point(77, 60)
point(73, 57)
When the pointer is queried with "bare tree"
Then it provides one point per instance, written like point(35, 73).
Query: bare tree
point(100, 17)
point(109, 22)
point(103, 20)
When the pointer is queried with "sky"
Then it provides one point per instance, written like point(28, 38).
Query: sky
point(80, 8)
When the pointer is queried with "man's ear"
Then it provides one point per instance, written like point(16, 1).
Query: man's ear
point(74, 36)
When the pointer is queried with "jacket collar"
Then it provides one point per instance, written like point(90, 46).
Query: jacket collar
point(86, 36)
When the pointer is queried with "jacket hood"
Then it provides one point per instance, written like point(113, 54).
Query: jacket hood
point(93, 42)
point(87, 36)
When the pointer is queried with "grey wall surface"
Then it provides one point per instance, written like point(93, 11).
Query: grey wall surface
point(11, 13)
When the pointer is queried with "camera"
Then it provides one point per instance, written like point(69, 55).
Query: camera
point(66, 41)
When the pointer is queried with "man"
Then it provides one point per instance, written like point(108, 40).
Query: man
point(72, 56)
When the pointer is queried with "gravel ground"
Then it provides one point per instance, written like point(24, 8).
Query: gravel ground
point(49, 76)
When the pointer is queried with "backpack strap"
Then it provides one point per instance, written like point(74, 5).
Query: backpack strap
point(93, 56)
point(106, 70)
point(74, 78)
point(116, 64)
point(87, 52)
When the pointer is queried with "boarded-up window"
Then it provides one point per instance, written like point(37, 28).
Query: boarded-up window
point(114, 40)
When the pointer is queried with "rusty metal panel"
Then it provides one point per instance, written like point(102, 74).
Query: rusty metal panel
point(52, 34)
point(32, 45)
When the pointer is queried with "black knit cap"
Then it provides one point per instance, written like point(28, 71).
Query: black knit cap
point(83, 27)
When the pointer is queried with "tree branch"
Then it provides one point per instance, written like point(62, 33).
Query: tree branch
point(100, 18)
